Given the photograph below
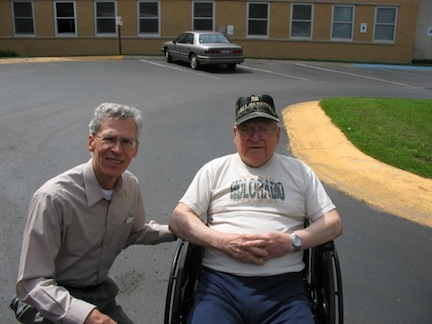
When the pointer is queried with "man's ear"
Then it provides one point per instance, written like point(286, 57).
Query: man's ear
point(136, 150)
point(90, 143)
point(278, 132)
point(235, 131)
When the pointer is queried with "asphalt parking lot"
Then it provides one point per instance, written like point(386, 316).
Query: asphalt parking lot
point(46, 106)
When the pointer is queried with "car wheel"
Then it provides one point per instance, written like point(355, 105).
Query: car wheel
point(193, 60)
point(168, 56)
point(231, 66)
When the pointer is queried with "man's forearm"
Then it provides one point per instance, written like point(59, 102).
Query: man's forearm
point(325, 229)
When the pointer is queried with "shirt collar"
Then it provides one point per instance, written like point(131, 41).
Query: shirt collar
point(93, 190)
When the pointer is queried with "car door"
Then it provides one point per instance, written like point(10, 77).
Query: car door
point(174, 51)
point(183, 46)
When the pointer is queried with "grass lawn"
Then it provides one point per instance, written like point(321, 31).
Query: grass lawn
point(397, 132)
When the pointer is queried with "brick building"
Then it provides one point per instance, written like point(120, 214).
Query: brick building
point(351, 30)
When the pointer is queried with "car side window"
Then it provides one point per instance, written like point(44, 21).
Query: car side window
point(181, 38)
point(189, 38)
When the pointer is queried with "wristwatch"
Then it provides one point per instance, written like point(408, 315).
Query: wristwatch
point(297, 242)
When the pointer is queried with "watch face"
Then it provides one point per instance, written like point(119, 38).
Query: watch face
point(297, 242)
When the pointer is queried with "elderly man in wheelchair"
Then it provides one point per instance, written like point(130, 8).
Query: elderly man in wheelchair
point(264, 253)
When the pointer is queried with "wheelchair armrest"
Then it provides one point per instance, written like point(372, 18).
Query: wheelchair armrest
point(328, 246)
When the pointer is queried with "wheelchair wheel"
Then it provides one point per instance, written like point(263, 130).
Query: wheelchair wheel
point(326, 285)
point(327, 306)
point(185, 270)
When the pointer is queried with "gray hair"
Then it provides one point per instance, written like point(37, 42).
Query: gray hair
point(109, 110)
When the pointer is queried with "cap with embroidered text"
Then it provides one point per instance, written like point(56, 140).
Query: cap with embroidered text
point(255, 107)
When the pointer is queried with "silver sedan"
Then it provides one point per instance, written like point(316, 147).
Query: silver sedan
point(203, 48)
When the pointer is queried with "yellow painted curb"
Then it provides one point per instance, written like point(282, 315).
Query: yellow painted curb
point(315, 140)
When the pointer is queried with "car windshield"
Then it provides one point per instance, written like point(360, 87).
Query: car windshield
point(213, 38)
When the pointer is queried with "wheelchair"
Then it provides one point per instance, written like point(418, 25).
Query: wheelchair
point(322, 276)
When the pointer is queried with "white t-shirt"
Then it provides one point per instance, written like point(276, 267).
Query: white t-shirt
point(277, 197)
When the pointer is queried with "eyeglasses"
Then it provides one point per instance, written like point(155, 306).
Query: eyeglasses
point(263, 132)
point(109, 141)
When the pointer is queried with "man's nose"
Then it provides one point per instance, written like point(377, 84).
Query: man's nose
point(117, 147)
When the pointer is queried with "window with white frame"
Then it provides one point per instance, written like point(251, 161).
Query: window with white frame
point(65, 20)
point(258, 19)
point(203, 12)
point(343, 20)
point(105, 12)
point(385, 24)
point(301, 20)
point(148, 17)
point(23, 18)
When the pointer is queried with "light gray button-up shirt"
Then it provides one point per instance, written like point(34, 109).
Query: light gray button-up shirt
point(73, 235)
